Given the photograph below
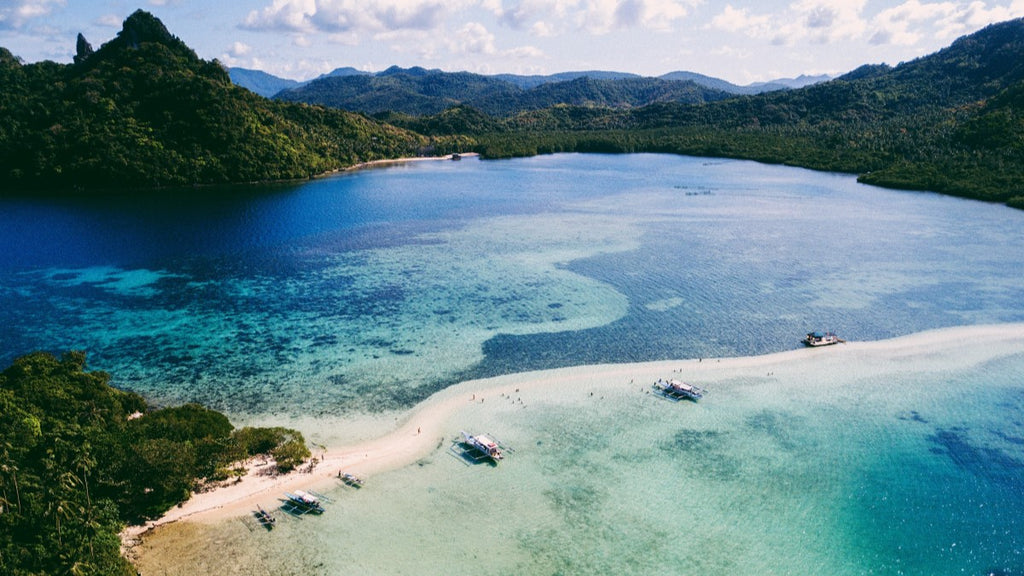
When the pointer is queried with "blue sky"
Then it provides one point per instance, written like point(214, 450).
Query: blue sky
point(741, 41)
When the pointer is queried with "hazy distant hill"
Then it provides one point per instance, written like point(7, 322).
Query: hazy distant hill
point(260, 82)
point(412, 91)
point(144, 110)
point(800, 81)
point(418, 91)
point(265, 84)
point(532, 81)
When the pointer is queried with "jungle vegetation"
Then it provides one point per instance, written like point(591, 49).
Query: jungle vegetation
point(80, 459)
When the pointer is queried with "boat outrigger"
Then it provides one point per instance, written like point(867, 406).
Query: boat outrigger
point(678, 390)
point(479, 447)
point(302, 503)
point(821, 339)
point(264, 518)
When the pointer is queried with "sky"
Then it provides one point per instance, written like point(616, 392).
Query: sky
point(741, 41)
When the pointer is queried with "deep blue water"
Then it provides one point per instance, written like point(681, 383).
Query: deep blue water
point(374, 288)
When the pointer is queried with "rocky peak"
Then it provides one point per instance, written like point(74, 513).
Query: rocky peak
point(141, 27)
point(83, 49)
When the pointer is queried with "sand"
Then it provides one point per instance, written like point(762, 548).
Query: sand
point(421, 430)
point(395, 161)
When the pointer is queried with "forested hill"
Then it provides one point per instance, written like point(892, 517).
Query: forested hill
point(79, 459)
point(144, 110)
point(416, 91)
point(951, 122)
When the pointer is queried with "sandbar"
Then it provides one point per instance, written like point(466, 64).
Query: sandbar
point(430, 425)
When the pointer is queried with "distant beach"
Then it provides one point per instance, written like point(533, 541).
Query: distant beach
point(432, 425)
point(395, 161)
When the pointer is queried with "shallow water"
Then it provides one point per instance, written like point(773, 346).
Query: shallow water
point(371, 290)
point(865, 464)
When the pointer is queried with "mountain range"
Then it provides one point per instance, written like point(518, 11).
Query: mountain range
point(266, 84)
point(420, 91)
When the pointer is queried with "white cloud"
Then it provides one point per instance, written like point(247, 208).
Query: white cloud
point(283, 15)
point(914, 21)
point(815, 21)
point(109, 21)
point(239, 49)
point(473, 38)
point(740, 20)
point(554, 17)
point(976, 15)
point(15, 14)
point(341, 16)
point(902, 25)
point(525, 52)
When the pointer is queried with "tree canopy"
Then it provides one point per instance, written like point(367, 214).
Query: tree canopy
point(144, 111)
point(79, 459)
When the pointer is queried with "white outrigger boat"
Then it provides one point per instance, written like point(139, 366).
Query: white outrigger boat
point(821, 339)
point(678, 390)
point(350, 479)
point(474, 449)
point(303, 503)
point(481, 443)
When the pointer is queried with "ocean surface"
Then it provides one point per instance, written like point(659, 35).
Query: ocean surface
point(373, 289)
point(366, 292)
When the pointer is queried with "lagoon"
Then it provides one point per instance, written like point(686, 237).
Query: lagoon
point(337, 305)
point(373, 289)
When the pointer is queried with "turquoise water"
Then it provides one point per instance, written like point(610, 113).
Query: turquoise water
point(373, 289)
point(844, 464)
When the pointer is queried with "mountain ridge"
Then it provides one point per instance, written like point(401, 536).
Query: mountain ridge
point(256, 80)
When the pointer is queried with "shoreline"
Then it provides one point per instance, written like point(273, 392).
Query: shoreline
point(428, 426)
point(385, 162)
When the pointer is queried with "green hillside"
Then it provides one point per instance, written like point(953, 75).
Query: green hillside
point(144, 110)
point(419, 92)
point(951, 122)
point(80, 459)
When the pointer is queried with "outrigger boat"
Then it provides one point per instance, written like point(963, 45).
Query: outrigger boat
point(678, 390)
point(821, 339)
point(474, 449)
point(350, 479)
point(484, 445)
point(264, 518)
point(303, 503)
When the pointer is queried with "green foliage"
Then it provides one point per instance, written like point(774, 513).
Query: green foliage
point(952, 123)
point(144, 111)
point(291, 452)
point(286, 446)
point(419, 92)
point(79, 459)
